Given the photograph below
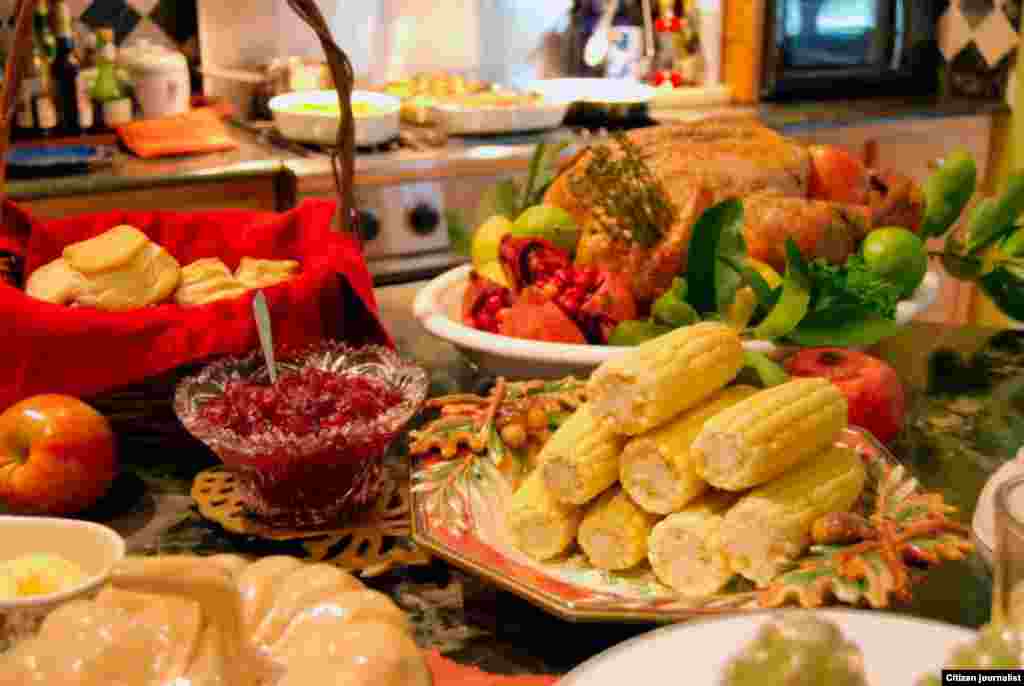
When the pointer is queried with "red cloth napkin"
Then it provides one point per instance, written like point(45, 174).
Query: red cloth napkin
point(449, 673)
point(84, 352)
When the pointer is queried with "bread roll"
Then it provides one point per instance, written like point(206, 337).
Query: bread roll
point(121, 269)
point(256, 273)
point(205, 281)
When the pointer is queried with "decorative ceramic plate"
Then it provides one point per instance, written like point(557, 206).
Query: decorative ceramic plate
point(439, 303)
point(896, 649)
point(458, 511)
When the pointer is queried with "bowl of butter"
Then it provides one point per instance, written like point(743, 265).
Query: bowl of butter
point(48, 561)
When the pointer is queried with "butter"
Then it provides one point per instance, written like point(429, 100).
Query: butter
point(37, 574)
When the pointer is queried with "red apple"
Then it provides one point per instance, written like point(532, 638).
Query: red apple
point(57, 455)
point(872, 388)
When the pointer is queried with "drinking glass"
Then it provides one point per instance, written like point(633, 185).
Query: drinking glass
point(1008, 582)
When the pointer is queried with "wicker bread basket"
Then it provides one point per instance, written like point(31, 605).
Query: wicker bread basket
point(143, 412)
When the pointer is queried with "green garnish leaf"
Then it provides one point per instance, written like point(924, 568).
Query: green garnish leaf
point(629, 201)
point(766, 296)
point(769, 372)
point(992, 220)
point(852, 284)
point(1005, 286)
point(502, 199)
point(795, 299)
point(636, 331)
point(843, 326)
point(542, 173)
point(459, 235)
point(717, 238)
point(947, 192)
point(671, 308)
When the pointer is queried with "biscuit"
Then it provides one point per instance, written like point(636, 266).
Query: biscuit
point(118, 270)
point(257, 273)
point(205, 281)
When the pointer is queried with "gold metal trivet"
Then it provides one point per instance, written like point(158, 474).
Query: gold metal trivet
point(381, 540)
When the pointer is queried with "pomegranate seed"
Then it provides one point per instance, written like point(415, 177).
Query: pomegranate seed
point(494, 303)
point(576, 293)
point(677, 79)
point(486, 321)
point(563, 277)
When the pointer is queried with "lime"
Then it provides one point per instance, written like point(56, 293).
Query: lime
point(487, 240)
point(897, 256)
point(547, 221)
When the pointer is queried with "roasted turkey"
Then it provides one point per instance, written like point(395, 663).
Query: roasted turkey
point(700, 164)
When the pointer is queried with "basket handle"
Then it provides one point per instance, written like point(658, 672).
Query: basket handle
point(18, 55)
point(343, 154)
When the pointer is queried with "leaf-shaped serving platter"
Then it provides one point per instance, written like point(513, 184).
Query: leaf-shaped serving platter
point(458, 512)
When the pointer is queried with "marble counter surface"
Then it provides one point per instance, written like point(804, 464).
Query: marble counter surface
point(257, 157)
point(962, 385)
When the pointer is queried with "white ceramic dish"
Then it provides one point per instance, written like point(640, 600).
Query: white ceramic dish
point(93, 547)
point(461, 120)
point(983, 524)
point(439, 303)
point(897, 649)
point(594, 90)
point(322, 127)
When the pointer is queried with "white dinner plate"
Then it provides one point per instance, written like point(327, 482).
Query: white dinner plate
point(438, 306)
point(897, 650)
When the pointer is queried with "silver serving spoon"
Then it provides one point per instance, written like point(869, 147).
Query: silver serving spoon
point(596, 49)
point(266, 333)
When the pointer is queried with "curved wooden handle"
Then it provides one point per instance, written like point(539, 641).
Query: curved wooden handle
point(343, 155)
point(20, 51)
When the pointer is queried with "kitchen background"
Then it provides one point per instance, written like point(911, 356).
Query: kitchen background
point(172, 23)
point(506, 41)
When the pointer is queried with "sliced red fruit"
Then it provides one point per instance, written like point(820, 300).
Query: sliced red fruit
point(538, 321)
point(482, 302)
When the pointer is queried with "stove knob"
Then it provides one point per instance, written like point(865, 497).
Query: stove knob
point(369, 225)
point(424, 219)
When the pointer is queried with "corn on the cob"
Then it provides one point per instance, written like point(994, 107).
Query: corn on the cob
point(581, 459)
point(657, 469)
point(538, 523)
point(760, 438)
point(684, 550)
point(644, 388)
point(614, 531)
point(771, 525)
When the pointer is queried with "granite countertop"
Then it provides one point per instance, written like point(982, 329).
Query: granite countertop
point(256, 157)
point(962, 385)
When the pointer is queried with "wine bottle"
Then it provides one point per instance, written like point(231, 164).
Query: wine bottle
point(74, 106)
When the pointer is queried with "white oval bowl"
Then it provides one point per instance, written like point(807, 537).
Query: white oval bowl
point(438, 307)
point(461, 120)
point(95, 548)
point(321, 128)
point(593, 90)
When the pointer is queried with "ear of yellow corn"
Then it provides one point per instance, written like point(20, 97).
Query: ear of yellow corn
point(647, 386)
point(657, 469)
point(581, 459)
point(684, 548)
point(614, 531)
point(539, 524)
point(771, 525)
point(761, 437)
